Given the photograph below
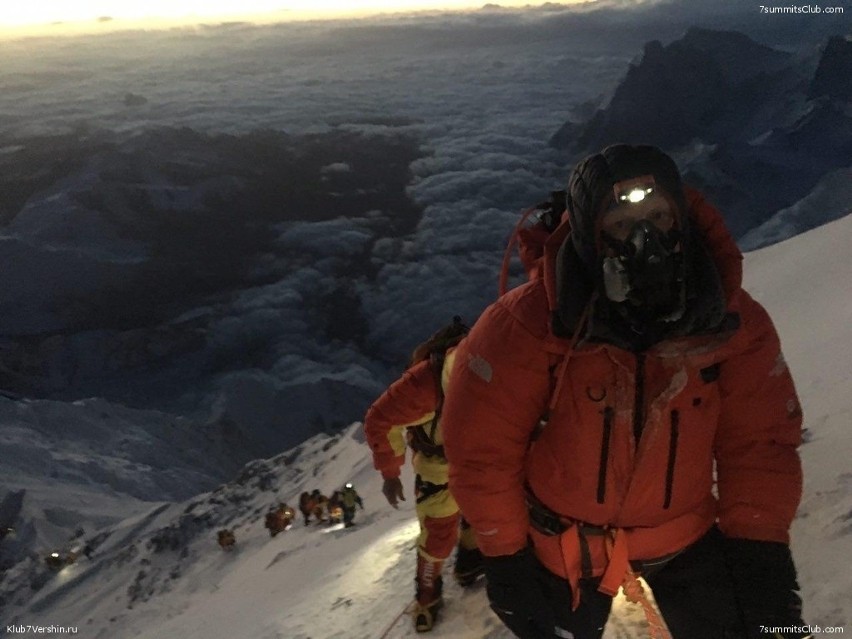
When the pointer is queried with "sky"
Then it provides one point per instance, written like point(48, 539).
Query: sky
point(88, 14)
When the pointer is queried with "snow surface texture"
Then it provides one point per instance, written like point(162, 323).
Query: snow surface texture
point(161, 574)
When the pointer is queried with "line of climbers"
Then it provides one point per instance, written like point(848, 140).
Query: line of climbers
point(332, 510)
point(339, 508)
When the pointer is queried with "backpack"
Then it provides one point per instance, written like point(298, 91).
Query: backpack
point(530, 234)
point(435, 350)
point(436, 347)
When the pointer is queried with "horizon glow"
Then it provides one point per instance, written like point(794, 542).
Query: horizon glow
point(106, 14)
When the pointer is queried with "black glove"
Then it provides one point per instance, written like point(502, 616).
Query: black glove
point(765, 586)
point(516, 594)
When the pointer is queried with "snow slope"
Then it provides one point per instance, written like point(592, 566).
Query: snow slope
point(161, 574)
point(804, 282)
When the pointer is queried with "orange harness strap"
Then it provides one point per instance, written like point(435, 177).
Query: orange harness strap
point(619, 573)
point(569, 544)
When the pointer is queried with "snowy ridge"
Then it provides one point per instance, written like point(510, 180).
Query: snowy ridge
point(75, 467)
point(831, 199)
point(160, 573)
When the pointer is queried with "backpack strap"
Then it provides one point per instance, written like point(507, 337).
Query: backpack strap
point(436, 362)
point(557, 372)
point(420, 442)
point(510, 250)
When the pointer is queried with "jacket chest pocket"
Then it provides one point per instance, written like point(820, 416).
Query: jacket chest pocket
point(691, 428)
point(702, 401)
point(674, 435)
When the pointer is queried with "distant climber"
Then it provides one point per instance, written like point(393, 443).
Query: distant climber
point(225, 538)
point(335, 508)
point(278, 519)
point(349, 497)
point(320, 506)
point(58, 560)
point(306, 506)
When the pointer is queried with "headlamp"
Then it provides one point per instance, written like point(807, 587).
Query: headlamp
point(634, 190)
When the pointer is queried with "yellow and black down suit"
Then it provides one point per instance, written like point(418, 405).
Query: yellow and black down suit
point(406, 413)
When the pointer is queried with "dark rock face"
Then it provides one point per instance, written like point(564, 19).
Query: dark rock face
point(767, 126)
point(690, 88)
point(833, 77)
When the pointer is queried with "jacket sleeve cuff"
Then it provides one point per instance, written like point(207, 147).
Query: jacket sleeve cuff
point(393, 471)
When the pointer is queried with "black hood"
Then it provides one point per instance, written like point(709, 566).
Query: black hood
point(579, 267)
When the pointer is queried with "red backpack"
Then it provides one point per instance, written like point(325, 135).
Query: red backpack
point(530, 234)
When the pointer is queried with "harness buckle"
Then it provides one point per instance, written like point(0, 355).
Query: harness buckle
point(542, 518)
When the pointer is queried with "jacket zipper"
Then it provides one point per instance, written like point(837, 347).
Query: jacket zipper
point(605, 437)
point(672, 457)
point(639, 400)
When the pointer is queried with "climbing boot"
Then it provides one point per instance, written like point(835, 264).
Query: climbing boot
point(429, 587)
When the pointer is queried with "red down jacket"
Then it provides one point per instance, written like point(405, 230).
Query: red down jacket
point(725, 400)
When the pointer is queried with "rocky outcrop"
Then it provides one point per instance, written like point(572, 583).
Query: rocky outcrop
point(833, 77)
point(696, 87)
point(754, 127)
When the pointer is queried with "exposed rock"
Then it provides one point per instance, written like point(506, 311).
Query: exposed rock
point(766, 130)
point(692, 88)
point(833, 77)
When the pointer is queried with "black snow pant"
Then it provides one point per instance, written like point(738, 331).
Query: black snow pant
point(348, 515)
point(694, 592)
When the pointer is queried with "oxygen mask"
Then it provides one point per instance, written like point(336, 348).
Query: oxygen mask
point(642, 259)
